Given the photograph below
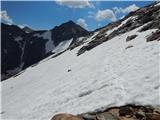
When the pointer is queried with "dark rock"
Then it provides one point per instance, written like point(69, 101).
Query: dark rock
point(130, 46)
point(91, 45)
point(154, 36)
point(76, 44)
point(123, 111)
point(146, 27)
point(67, 31)
point(139, 115)
point(69, 70)
point(11, 49)
point(131, 37)
point(88, 117)
point(147, 109)
point(152, 117)
point(82, 50)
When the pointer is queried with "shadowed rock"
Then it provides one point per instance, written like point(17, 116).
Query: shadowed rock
point(129, 38)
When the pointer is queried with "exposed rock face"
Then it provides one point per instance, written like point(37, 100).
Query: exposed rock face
point(22, 48)
point(34, 49)
point(12, 43)
point(154, 36)
point(128, 112)
point(67, 31)
point(124, 111)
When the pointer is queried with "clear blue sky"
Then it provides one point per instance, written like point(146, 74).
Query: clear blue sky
point(47, 14)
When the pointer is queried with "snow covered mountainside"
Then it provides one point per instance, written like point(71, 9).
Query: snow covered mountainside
point(114, 66)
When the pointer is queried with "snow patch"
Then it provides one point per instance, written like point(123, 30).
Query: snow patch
point(50, 44)
point(19, 38)
point(62, 46)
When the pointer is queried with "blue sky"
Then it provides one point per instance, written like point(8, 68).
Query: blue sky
point(47, 14)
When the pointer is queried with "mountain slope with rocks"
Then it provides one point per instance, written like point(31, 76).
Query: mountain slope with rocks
point(113, 66)
point(22, 48)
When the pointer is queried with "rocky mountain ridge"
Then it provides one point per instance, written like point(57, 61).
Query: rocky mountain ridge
point(24, 47)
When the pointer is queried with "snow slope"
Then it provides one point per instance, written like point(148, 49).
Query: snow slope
point(108, 75)
point(62, 46)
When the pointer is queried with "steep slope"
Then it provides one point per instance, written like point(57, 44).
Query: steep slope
point(123, 70)
point(22, 48)
point(12, 49)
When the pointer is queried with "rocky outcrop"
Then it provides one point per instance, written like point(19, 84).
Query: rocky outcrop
point(20, 49)
point(12, 43)
point(149, 15)
point(129, 38)
point(154, 36)
point(127, 112)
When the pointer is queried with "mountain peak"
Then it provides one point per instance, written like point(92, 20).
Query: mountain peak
point(70, 22)
point(27, 29)
point(67, 31)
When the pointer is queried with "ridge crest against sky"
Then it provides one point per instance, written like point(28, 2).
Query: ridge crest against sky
point(47, 14)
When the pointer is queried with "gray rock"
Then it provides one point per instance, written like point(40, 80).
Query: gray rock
point(124, 111)
point(106, 116)
point(129, 38)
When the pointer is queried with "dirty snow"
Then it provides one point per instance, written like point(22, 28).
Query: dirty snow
point(108, 75)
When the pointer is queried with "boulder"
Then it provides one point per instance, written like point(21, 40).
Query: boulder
point(129, 38)
point(65, 116)
point(124, 111)
point(154, 36)
point(106, 116)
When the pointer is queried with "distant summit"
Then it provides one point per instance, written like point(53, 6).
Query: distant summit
point(67, 31)
point(27, 29)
